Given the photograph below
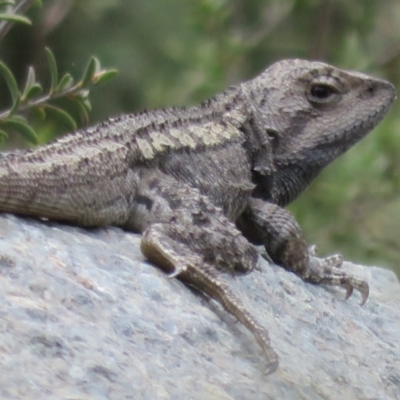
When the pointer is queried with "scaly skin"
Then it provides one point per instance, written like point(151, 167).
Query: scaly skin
point(187, 179)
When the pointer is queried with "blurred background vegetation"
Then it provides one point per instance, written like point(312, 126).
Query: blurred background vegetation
point(179, 52)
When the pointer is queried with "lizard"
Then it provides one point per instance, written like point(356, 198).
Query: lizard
point(205, 184)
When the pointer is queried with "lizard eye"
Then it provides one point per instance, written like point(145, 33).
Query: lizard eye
point(322, 93)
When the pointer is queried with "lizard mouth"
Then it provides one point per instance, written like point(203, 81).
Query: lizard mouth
point(357, 131)
point(379, 114)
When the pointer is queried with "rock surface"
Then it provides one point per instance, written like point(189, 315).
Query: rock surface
point(84, 316)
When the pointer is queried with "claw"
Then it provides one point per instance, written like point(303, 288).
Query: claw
point(364, 295)
point(177, 272)
point(272, 366)
point(349, 291)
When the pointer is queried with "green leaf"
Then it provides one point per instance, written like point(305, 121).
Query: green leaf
point(34, 91)
point(65, 83)
point(39, 112)
point(82, 110)
point(15, 18)
point(19, 124)
point(53, 69)
point(83, 97)
point(3, 136)
point(32, 88)
point(88, 105)
point(11, 82)
point(14, 107)
point(30, 79)
point(105, 76)
point(92, 67)
point(62, 115)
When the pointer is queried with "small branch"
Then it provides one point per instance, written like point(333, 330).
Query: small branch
point(44, 99)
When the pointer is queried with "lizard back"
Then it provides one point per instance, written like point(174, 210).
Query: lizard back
point(61, 180)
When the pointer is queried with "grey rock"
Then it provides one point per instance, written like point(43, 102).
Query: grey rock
point(84, 316)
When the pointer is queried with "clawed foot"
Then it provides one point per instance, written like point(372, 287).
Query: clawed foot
point(327, 271)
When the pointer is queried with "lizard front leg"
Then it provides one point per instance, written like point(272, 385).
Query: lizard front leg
point(278, 231)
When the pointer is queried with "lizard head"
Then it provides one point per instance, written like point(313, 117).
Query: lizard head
point(312, 113)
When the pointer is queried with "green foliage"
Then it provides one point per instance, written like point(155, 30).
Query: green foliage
point(181, 52)
point(33, 101)
point(14, 18)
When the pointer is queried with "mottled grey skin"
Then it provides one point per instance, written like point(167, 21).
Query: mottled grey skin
point(202, 183)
